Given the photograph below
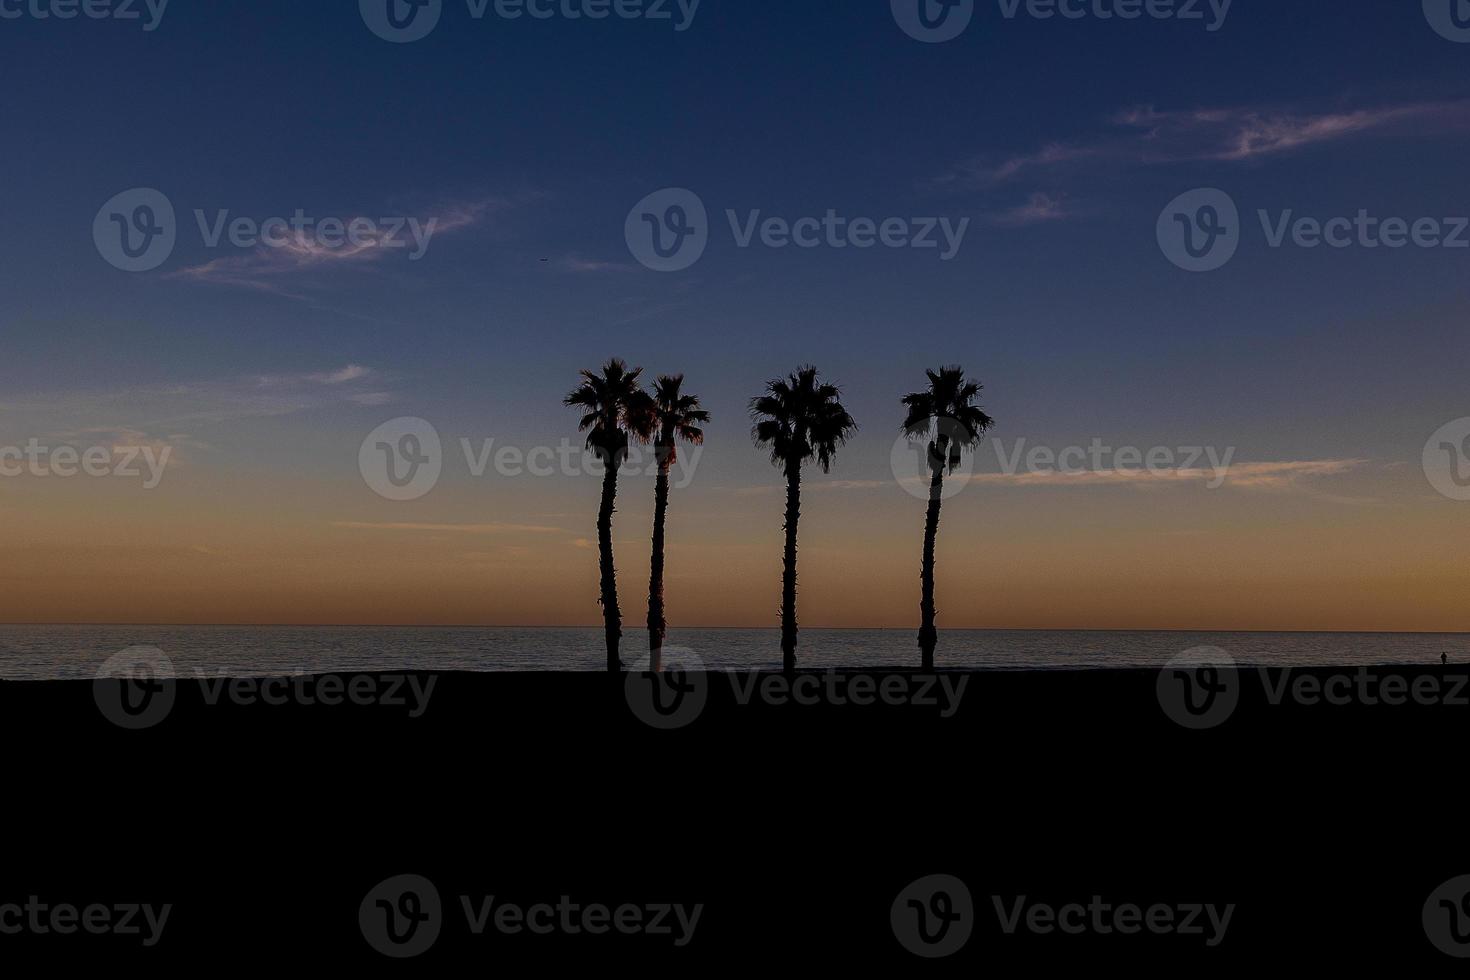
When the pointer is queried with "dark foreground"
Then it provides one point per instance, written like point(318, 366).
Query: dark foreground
point(796, 826)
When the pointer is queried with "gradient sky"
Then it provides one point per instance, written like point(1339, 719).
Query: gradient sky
point(1325, 370)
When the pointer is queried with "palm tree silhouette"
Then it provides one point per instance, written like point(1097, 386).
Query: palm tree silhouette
point(798, 419)
point(608, 398)
point(944, 414)
point(664, 417)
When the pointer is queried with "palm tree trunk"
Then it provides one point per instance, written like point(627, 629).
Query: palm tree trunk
point(928, 635)
point(788, 577)
point(612, 617)
point(657, 628)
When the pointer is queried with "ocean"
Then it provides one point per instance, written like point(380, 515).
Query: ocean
point(61, 652)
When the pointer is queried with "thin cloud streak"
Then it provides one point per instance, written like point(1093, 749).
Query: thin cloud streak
point(147, 410)
point(1276, 475)
point(1282, 475)
point(1040, 209)
point(1151, 137)
point(493, 528)
point(303, 251)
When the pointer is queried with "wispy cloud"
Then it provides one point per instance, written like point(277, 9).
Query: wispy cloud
point(352, 372)
point(278, 267)
point(170, 411)
point(1273, 475)
point(575, 263)
point(1277, 476)
point(1240, 134)
point(493, 528)
point(1040, 209)
point(1145, 135)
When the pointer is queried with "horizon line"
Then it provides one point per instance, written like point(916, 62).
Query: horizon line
point(874, 629)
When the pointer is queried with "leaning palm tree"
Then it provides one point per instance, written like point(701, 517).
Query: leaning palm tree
point(946, 415)
point(664, 417)
point(798, 419)
point(607, 399)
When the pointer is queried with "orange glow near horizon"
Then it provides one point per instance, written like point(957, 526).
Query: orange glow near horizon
point(208, 548)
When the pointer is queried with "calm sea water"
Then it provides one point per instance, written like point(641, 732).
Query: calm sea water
point(54, 652)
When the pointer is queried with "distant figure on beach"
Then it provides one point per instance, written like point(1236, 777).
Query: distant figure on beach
point(1444, 660)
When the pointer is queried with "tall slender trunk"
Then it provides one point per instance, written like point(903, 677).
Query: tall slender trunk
point(928, 635)
point(612, 617)
point(788, 575)
point(657, 627)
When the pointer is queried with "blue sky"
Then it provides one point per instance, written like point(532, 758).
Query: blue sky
point(1059, 140)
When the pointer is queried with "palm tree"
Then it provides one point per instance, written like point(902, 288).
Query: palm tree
point(665, 417)
point(607, 399)
point(798, 419)
point(945, 413)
